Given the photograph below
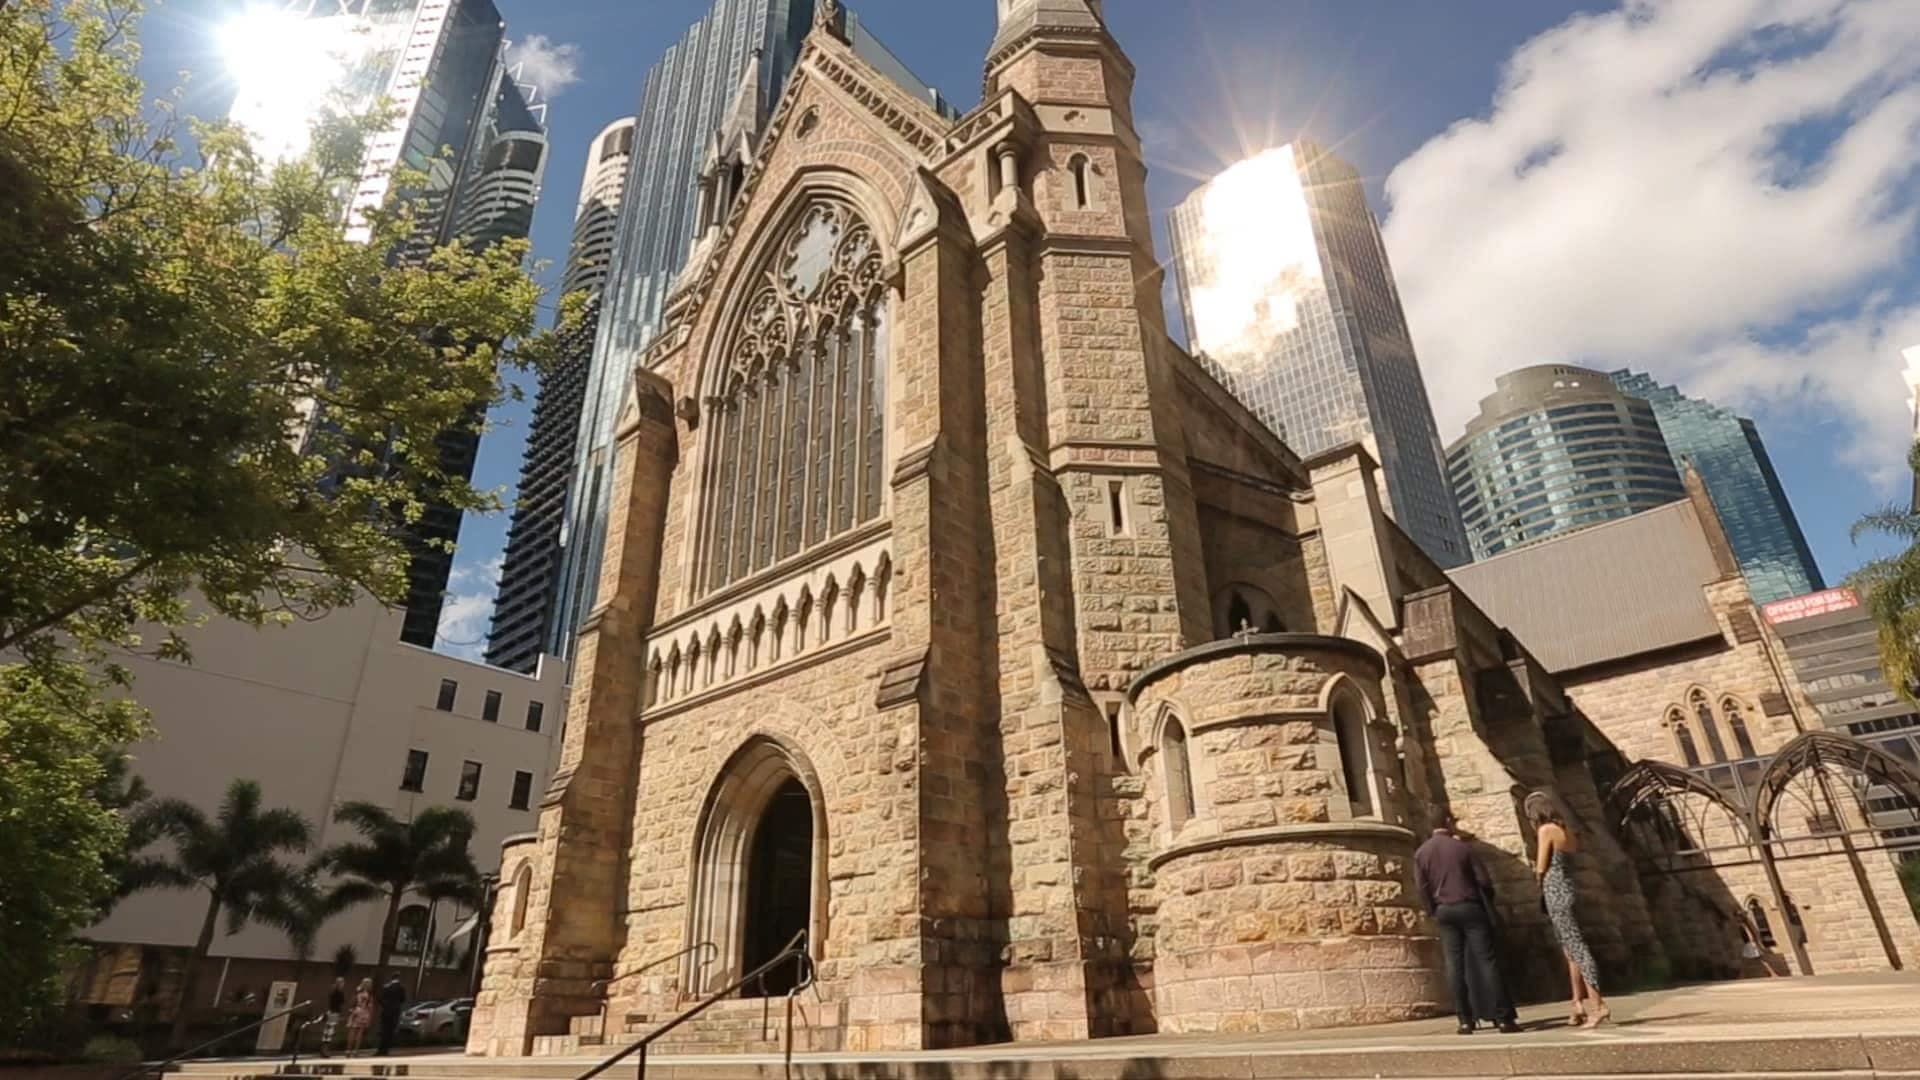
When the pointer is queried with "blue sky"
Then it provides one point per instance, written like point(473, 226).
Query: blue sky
point(1720, 193)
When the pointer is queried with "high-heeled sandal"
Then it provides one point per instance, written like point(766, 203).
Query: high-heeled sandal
point(1594, 1020)
point(1576, 1018)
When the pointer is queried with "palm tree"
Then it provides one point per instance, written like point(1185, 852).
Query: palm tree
point(299, 911)
point(1890, 588)
point(233, 856)
point(427, 856)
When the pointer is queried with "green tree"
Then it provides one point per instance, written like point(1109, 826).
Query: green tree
point(1890, 589)
point(175, 310)
point(233, 856)
point(61, 842)
point(427, 857)
point(205, 383)
point(300, 910)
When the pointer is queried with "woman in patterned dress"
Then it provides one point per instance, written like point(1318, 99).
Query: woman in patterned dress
point(1556, 846)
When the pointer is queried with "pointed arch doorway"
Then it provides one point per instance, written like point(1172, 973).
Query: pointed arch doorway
point(759, 871)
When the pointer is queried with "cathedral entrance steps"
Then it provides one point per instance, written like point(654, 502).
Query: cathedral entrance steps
point(1856, 1057)
point(1861, 1026)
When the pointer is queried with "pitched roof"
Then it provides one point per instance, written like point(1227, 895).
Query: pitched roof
point(1616, 590)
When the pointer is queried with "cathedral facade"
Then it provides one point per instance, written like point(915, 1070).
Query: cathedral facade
point(958, 627)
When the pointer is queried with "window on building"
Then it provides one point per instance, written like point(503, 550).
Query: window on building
point(1239, 615)
point(522, 790)
point(1737, 726)
point(469, 781)
point(798, 426)
point(490, 707)
point(1762, 926)
point(449, 690)
point(1683, 738)
point(1179, 774)
point(1356, 751)
point(414, 778)
point(410, 930)
point(1711, 730)
point(1082, 190)
point(537, 711)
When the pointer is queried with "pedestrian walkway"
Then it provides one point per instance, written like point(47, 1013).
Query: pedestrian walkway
point(1856, 1026)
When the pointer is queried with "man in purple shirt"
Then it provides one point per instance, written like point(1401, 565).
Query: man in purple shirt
point(1458, 893)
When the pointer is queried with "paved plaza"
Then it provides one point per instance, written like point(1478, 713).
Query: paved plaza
point(1861, 1026)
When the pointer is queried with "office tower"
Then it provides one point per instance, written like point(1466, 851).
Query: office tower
point(1727, 452)
point(461, 121)
point(523, 610)
point(596, 215)
point(1833, 645)
point(689, 95)
point(1290, 301)
point(1554, 449)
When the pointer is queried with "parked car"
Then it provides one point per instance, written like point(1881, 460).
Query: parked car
point(448, 1020)
point(414, 1019)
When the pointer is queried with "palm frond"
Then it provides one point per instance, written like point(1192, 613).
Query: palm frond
point(150, 872)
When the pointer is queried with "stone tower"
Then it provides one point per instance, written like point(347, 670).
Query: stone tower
point(960, 628)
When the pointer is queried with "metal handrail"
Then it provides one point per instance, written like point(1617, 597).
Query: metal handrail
point(161, 1068)
point(607, 983)
point(795, 950)
point(300, 1033)
point(806, 982)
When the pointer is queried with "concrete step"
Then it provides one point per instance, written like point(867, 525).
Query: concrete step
point(1557, 1055)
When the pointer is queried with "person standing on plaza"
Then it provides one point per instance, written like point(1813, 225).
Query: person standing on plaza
point(393, 998)
point(361, 1017)
point(1554, 846)
point(336, 1010)
point(1458, 893)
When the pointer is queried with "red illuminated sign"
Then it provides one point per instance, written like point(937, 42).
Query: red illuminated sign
point(1806, 607)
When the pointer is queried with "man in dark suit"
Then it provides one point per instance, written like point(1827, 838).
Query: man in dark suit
point(393, 998)
point(1459, 895)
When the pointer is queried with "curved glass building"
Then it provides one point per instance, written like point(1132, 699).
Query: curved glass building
point(1556, 448)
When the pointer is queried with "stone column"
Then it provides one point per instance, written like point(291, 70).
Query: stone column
point(937, 674)
point(584, 817)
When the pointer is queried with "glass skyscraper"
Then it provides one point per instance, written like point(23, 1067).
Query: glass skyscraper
point(461, 120)
point(1289, 300)
point(530, 569)
point(687, 96)
point(1556, 448)
point(1725, 449)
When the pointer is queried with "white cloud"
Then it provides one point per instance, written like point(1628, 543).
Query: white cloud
point(1721, 193)
point(550, 65)
point(467, 614)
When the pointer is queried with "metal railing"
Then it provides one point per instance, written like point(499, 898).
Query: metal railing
point(794, 953)
point(161, 1068)
point(608, 983)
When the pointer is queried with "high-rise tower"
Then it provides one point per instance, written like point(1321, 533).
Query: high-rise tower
point(1725, 449)
point(529, 573)
point(460, 119)
point(690, 95)
point(1288, 295)
point(1556, 448)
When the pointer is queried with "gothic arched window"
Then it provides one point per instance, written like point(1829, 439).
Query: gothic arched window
point(798, 401)
point(1762, 926)
point(1179, 773)
point(1683, 737)
point(1737, 725)
point(1715, 745)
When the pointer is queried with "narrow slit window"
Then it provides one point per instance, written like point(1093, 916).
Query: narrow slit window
point(1173, 749)
point(1117, 524)
point(1081, 192)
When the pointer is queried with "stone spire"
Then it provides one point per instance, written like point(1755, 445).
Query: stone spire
point(748, 114)
point(1021, 19)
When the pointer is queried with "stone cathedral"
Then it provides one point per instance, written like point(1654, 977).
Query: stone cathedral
point(957, 623)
